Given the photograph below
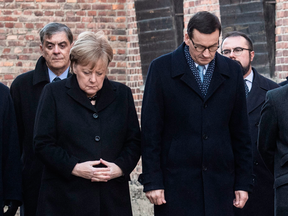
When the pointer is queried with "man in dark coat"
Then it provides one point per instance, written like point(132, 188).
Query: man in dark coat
point(284, 82)
point(196, 147)
point(56, 41)
point(238, 46)
point(10, 164)
point(272, 144)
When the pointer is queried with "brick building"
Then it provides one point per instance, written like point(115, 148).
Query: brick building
point(139, 31)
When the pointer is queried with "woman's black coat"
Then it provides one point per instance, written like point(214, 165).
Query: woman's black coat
point(70, 130)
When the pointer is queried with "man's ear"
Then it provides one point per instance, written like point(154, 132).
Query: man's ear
point(41, 48)
point(252, 54)
point(186, 39)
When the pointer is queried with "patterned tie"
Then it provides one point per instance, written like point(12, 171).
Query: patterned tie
point(200, 70)
point(246, 88)
point(56, 79)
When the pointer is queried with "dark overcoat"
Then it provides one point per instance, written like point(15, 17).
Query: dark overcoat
point(273, 136)
point(70, 130)
point(197, 149)
point(261, 201)
point(26, 90)
point(284, 82)
point(10, 164)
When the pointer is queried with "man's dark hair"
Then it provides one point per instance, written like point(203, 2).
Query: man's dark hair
point(241, 34)
point(204, 22)
point(53, 28)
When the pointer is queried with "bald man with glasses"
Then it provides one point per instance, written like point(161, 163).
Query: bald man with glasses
point(239, 47)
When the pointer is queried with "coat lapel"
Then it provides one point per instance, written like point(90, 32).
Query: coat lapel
point(258, 92)
point(220, 74)
point(108, 95)
point(181, 68)
point(77, 94)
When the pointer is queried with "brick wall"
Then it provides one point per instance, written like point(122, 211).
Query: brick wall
point(193, 6)
point(281, 66)
point(20, 21)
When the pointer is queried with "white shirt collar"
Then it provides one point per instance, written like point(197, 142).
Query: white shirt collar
point(62, 76)
point(249, 80)
point(205, 67)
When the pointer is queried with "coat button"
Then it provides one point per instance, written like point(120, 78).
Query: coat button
point(95, 115)
point(205, 137)
point(205, 106)
point(256, 163)
point(204, 168)
point(97, 138)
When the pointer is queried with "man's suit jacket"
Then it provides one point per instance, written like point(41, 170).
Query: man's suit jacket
point(197, 149)
point(26, 90)
point(10, 164)
point(70, 130)
point(273, 136)
point(261, 201)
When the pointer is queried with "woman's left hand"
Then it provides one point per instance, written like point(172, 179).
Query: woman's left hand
point(113, 172)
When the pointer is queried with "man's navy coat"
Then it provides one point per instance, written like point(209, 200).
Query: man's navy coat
point(69, 130)
point(10, 165)
point(197, 149)
point(26, 90)
point(273, 138)
point(261, 201)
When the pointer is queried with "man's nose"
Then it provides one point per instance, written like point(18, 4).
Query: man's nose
point(56, 49)
point(206, 53)
point(231, 55)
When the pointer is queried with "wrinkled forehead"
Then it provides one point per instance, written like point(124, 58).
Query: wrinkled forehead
point(56, 37)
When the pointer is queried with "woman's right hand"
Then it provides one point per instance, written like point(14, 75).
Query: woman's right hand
point(87, 171)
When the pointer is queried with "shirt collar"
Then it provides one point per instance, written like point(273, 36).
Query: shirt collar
point(205, 66)
point(250, 76)
point(62, 76)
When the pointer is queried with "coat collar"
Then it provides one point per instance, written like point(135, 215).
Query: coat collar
point(258, 91)
point(41, 72)
point(108, 94)
point(181, 68)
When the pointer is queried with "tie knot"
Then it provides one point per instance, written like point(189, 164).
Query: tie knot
point(200, 68)
point(56, 79)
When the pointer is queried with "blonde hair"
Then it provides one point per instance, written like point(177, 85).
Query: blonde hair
point(90, 48)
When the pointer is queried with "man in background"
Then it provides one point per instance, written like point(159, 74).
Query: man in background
point(53, 65)
point(238, 46)
point(272, 144)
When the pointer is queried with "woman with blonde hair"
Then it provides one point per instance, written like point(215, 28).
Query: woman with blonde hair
point(88, 137)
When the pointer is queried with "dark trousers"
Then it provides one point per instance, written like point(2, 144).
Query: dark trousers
point(281, 200)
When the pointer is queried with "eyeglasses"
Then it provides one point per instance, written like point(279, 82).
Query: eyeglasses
point(237, 51)
point(200, 48)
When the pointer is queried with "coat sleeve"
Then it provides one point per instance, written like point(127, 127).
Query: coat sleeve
point(241, 139)
point(11, 153)
point(132, 147)
point(152, 121)
point(268, 130)
point(14, 91)
point(45, 137)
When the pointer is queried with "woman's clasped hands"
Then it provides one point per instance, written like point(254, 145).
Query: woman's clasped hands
point(88, 170)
